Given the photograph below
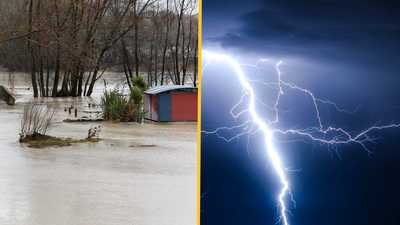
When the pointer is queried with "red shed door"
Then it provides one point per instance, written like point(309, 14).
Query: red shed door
point(184, 107)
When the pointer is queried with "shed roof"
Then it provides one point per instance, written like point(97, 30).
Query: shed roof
point(163, 88)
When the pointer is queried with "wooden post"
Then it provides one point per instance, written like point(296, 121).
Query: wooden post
point(76, 112)
point(69, 109)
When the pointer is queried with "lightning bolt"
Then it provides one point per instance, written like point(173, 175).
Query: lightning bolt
point(330, 136)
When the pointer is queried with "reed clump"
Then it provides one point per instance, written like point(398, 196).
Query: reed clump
point(116, 107)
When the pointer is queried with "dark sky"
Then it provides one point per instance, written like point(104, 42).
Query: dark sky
point(305, 29)
point(343, 51)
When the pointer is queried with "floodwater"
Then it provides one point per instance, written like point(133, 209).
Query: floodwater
point(114, 181)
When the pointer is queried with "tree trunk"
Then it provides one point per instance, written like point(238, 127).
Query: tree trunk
point(195, 65)
point(185, 60)
point(183, 55)
point(126, 63)
point(74, 78)
point(96, 70)
point(165, 46)
point(33, 71)
point(127, 76)
point(32, 56)
point(41, 80)
point(58, 55)
point(126, 57)
point(149, 80)
point(80, 84)
point(57, 72)
point(136, 51)
point(47, 77)
point(87, 82)
point(64, 88)
point(163, 62)
point(136, 29)
point(155, 68)
point(180, 16)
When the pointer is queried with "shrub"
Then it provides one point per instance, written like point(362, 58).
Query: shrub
point(37, 119)
point(139, 82)
point(93, 132)
point(113, 105)
point(136, 110)
point(117, 108)
point(136, 95)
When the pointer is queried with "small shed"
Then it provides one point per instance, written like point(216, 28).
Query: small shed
point(170, 103)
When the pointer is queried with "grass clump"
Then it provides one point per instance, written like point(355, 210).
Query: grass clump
point(38, 140)
point(41, 141)
point(118, 108)
point(113, 105)
point(44, 141)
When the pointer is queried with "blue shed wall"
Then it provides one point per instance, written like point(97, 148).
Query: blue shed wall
point(164, 107)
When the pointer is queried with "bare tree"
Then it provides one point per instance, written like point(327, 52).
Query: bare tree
point(60, 42)
point(37, 119)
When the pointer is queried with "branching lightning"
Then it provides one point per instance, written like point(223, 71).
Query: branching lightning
point(331, 136)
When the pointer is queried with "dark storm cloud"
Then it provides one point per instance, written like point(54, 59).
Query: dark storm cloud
point(315, 29)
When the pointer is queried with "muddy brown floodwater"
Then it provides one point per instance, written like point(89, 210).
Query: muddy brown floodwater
point(107, 182)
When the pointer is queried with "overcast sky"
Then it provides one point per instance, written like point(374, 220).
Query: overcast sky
point(342, 51)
